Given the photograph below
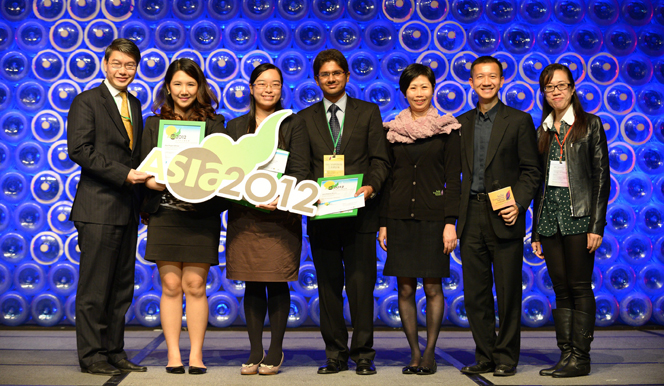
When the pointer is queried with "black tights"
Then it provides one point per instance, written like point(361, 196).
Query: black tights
point(433, 288)
point(571, 269)
point(256, 304)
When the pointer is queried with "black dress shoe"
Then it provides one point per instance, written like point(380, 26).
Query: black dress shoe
point(365, 367)
point(424, 370)
point(333, 366)
point(409, 370)
point(197, 370)
point(504, 371)
point(480, 368)
point(101, 368)
point(175, 369)
point(126, 365)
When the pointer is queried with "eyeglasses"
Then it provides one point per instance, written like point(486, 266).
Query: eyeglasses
point(559, 86)
point(260, 86)
point(128, 66)
point(336, 74)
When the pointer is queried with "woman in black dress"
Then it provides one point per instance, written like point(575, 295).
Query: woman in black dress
point(263, 249)
point(183, 238)
point(420, 206)
point(570, 213)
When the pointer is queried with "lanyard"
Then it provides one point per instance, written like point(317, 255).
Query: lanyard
point(341, 130)
point(569, 129)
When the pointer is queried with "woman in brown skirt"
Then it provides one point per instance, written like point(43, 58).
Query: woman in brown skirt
point(263, 249)
point(183, 238)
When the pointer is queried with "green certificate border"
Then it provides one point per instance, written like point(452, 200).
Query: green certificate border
point(353, 213)
point(164, 122)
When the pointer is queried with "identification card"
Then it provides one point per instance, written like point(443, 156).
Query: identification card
point(558, 174)
point(278, 162)
point(333, 165)
point(502, 198)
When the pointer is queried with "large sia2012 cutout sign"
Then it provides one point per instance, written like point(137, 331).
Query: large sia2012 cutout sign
point(220, 166)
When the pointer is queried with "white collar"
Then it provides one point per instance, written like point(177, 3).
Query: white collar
point(568, 118)
point(114, 91)
point(341, 103)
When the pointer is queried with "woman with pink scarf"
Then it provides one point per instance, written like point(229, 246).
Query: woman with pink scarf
point(420, 206)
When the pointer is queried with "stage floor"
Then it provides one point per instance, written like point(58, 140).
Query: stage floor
point(48, 357)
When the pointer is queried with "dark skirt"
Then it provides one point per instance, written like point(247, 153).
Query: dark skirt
point(415, 249)
point(187, 237)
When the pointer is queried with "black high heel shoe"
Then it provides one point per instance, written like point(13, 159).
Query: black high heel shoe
point(409, 370)
point(175, 369)
point(197, 370)
point(424, 370)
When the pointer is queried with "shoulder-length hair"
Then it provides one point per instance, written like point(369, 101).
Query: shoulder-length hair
point(252, 105)
point(580, 126)
point(203, 107)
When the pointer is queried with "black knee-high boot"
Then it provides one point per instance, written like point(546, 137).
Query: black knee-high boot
point(583, 326)
point(562, 318)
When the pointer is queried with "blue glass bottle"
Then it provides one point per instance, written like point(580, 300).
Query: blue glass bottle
point(532, 65)
point(153, 65)
point(527, 279)
point(415, 36)
point(188, 9)
point(570, 11)
point(48, 66)
point(142, 279)
point(310, 35)
point(99, 34)
point(457, 313)
point(607, 310)
point(651, 40)
point(293, 10)
point(30, 96)
point(432, 11)
point(29, 279)
point(621, 219)
point(658, 310)
point(345, 35)
point(467, 11)
point(275, 36)
point(299, 311)
point(252, 60)
point(5, 217)
point(460, 66)
point(382, 94)
point(170, 35)
point(636, 249)
point(576, 65)
point(587, 39)
point(58, 158)
point(138, 32)
point(307, 282)
point(294, 66)
point(393, 64)
point(6, 36)
point(66, 35)
point(484, 38)
point(596, 279)
point(13, 247)
point(29, 217)
point(603, 12)
point(621, 158)
point(635, 128)
point(222, 65)
point(224, 309)
point(72, 251)
point(240, 36)
point(535, 310)
point(328, 10)
point(449, 97)
point(437, 62)
point(62, 93)
point(5, 279)
point(46, 187)
point(363, 10)
point(449, 37)
point(153, 9)
point(223, 10)
point(58, 218)
point(398, 11)
point(13, 127)
point(233, 287)
point(117, 10)
point(620, 39)
point(637, 12)
point(535, 11)
point(603, 68)
point(63, 279)
point(236, 96)
point(453, 284)
point(363, 66)
point(651, 220)
point(635, 309)
point(659, 12)
point(637, 189)
point(306, 94)
point(31, 36)
point(388, 310)
point(518, 38)
point(651, 158)
point(46, 248)
point(543, 281)
point(14, 309)
point(14, 66)
point(651, 100)
point(49, 10)
point(15, 10)
point(553, 39)
point(637, 70)
point(651, 279)
point(519, 95)
point(620, 279)
point(83, 65)
point(380, 36)
point(590, 97)
point(146, 309)
point(258, 10)
point(501, 11)
point(83, 10)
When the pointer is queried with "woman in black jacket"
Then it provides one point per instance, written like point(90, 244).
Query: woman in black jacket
point(183, 238)
point(420, 206)
point(570, 213)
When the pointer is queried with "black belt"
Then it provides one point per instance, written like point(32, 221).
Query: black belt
point(479, 197)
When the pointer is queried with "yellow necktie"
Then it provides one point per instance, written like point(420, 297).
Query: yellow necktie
point(126, 119)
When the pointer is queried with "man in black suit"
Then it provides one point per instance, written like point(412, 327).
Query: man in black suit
point(346, 247)
point(498, 149)
point(103, 137)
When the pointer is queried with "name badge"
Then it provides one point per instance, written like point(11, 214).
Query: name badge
point(502, 198)
point(333, 165)
point(278, 162)
point(558, 174)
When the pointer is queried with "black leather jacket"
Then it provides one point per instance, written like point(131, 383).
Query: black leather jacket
point(588, 175)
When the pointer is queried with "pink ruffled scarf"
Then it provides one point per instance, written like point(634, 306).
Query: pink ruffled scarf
point(405, 129)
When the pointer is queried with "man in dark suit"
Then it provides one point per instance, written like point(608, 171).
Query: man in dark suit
point(346, 247)
point(103, 137)
point(498, 149)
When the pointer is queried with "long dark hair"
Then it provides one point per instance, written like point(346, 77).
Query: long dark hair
point(580, 126)
point(203, 107)
point(252, 109)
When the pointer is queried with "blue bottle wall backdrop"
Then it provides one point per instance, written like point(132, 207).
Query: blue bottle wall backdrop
point(51, 50)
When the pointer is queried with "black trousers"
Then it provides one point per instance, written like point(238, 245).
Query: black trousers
point(341, 255)
point(570, 267)
point(480, 249)
point(105, 290)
